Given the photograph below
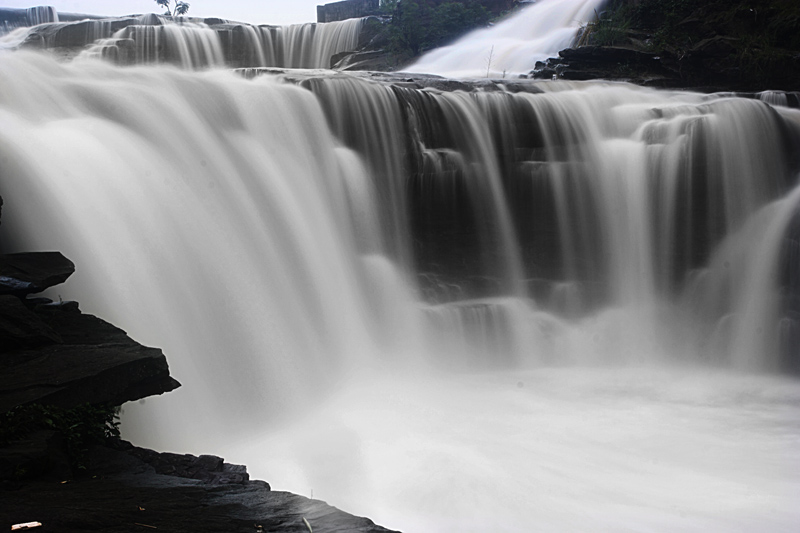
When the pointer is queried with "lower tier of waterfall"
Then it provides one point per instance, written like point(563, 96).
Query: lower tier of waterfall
point(551, 306)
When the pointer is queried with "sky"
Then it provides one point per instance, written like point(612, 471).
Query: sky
point(276, 12)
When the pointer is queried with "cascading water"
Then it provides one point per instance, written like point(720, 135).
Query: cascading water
point(41, 15)
point(190, 43)
point(489, 311)
point(514, 45)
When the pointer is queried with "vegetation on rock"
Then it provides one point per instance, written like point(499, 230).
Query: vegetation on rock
point(752, 39)
point(416, 26)
point(181, 8)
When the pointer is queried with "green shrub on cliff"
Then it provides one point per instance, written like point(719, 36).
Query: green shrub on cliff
point(181, 8)
point(751, 39)
point(682, 23)
point(418, 26)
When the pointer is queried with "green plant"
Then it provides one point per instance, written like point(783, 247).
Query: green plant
point(81, 427)
point(181, 8)
point(608, 29)
point(417, 26)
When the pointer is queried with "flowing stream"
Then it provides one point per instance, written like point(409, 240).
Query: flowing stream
point(512, 46)
point(571, 307)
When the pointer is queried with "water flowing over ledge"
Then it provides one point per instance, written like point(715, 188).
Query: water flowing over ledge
point(321, 255)
point(191, 43)
point(514, 45)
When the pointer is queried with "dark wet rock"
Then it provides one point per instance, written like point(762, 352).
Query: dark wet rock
point(37, 455)
point(22, 328)
point(710, 66)
point(32, 272)
point(409, 80)
point(130, 489)
point(368, 60)
point(609, 63)
point(209, 469)
point(96, 363)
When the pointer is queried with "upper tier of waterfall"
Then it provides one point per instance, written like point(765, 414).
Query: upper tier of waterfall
point(191, 43)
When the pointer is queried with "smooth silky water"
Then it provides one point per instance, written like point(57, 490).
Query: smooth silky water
point(612, 347)
point(511, 46)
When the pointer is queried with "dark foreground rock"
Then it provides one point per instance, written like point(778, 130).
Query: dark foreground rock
point(95, 362)
point(132, 489)
point(33, 272)
point(705, 67)
point(52, 354)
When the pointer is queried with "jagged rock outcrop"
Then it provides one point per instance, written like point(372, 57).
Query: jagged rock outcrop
point(53, 354)
point(96, 363)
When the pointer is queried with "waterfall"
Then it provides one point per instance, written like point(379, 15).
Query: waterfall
point(450, 311)
point(313, 45)
point(513, 45)
point(41, 15)
point(193, 44)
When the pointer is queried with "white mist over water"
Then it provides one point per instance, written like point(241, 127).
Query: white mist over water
point(514, 45)
point(250, 229)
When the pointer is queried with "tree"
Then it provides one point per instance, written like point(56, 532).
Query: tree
point(181, 8)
